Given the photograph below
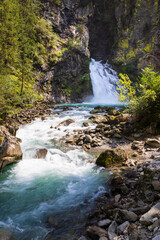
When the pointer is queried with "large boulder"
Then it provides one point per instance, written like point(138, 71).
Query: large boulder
point(152, 143)
point(99, 119)
point(147, 218)
point(10, 149)
point(95, 232)
point(111, 156)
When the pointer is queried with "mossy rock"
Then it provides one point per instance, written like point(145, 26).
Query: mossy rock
point(1, 140)
point(111, 157)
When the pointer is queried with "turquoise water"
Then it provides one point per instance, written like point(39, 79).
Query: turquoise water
point(64, 185)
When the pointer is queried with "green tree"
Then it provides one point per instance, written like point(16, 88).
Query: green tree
point(144, 98)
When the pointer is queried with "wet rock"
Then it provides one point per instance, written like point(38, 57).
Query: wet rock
point(152, 143)
point(104, 223)
point(112, 231)
point(65, 123)
point(156, 185)
point(125, 215)
point(85, 124)
point(147, 218)
point(95, 232)
point(10, 150)
point(52, 222)
point(111, 156)
point(41, 153)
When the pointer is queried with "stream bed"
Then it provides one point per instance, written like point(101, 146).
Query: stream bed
point(64, 184)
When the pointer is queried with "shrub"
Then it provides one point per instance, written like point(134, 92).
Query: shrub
point(143, 99)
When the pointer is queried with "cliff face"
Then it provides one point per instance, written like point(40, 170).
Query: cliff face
point(129, 33)
point(124, 31)
point(67, 79)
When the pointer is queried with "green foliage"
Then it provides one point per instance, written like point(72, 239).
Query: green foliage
point(18, 45)
point(144, 98)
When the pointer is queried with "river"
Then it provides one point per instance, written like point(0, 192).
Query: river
point(64, 184)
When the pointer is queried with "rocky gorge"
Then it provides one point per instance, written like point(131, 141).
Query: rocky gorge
point(84, 171)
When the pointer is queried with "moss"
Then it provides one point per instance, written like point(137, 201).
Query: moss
point(111, 157)
point(1, 139)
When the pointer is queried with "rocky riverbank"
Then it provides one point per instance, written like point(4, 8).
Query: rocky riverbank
point(131, 209)
point(10, 150)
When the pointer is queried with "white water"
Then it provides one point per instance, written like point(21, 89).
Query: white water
point(103, 79)
point(64, 184)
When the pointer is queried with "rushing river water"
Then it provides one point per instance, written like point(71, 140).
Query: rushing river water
point(64, 185)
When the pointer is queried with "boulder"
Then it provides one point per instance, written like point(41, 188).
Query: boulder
point(104, 223)
point(95, 232)
point(111, 156)
point(10, 149)
point(156, 185)
point(125, 215)
point(52, 222)
point(85, 124)
point(152, 143)
point(123, 227)
point(147, 218)
point(88, 139)
point(65, 123)
point(112, 231)
point(41, 153)
point(98, 119)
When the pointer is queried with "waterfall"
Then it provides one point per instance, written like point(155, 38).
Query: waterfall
point(103, 79)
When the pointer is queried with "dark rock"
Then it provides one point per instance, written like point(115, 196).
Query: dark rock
point(95, 232)
point(125, 215)
point(85, 124)
point(156, 185)
point(111, 156)
point(52, 222)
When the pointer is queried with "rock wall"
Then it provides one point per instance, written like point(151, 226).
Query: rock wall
point(10, 150)
point(67, 79)
point(126, 32)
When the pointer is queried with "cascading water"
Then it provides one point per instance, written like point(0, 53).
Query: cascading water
point(63, 185)
point(103, 79)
